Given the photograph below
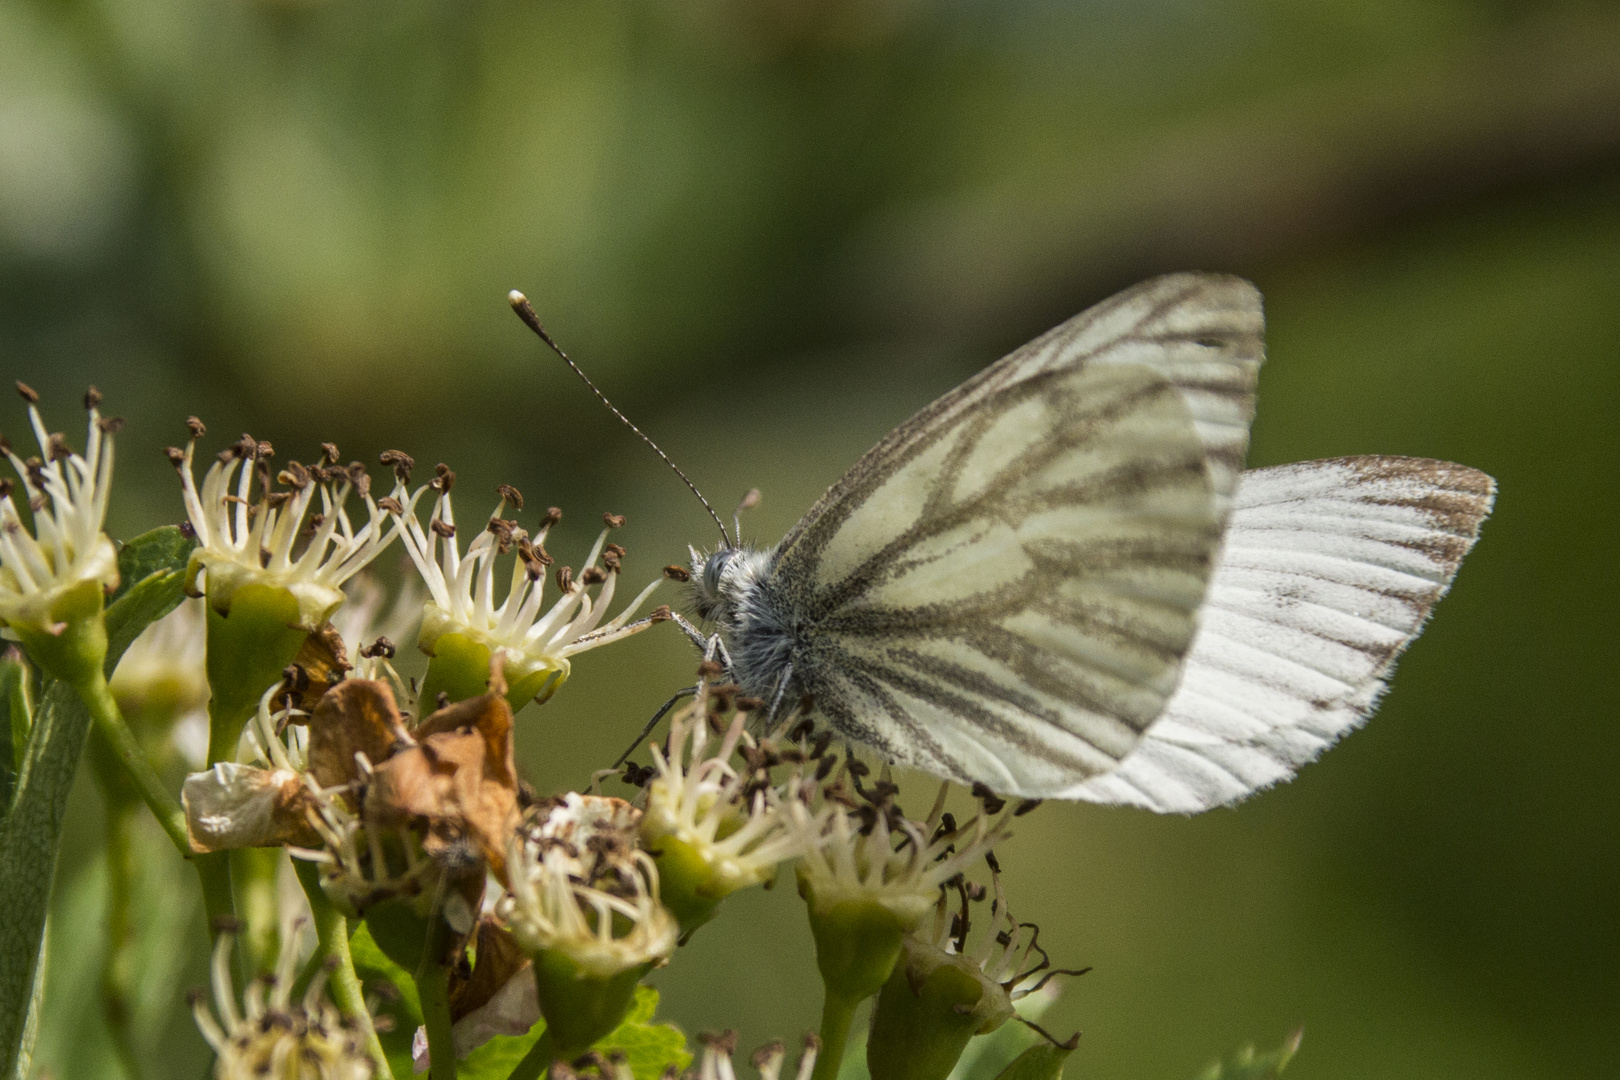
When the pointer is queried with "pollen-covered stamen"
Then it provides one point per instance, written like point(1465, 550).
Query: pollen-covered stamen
point(250, 532)
point(66, 494)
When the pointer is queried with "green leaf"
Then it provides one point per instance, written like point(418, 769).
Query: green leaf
point(1247, 1065)
point(32, 830)
point(151, 571)
point(159, 551)
point(650, 1048)
point(1043, 1061)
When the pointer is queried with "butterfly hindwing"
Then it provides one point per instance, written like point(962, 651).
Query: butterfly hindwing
point(1329, 571)
point(1005, 587)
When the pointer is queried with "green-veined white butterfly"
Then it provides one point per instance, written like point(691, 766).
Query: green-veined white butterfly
point(1057, 581)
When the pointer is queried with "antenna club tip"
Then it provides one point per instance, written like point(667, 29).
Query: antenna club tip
point(516, 299)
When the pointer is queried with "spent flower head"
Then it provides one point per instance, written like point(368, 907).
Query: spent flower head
point(581, 888)
point(288, 529)
point(274, 1035)
point(462, 624)
point(66, 550)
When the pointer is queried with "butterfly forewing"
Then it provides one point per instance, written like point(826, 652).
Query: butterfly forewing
point(1004, 588)
point(1329, 571)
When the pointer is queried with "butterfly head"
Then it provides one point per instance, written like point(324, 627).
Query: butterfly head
point(722, 580)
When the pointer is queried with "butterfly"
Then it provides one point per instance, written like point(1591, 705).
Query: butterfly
point(1059, 582)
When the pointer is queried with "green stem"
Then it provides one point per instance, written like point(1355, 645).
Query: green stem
point(433, 985)
point(332, 932)
point(537, 1060)
point(258, 907)
point(123, 747)
point(837, 1014)
point(118, 962)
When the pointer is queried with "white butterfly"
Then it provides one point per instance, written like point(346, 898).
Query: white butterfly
point(1057, 581)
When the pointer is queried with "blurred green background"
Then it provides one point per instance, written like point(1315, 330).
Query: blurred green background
point(772, 229)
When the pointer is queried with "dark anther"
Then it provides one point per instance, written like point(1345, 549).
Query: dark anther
point(226, 924)
point(677, 573)
point(992, 802)
point(442, 701)
point(295, 678)
point(381, 647)
point(991, 861)
point(5, 445)
point(443, 478)
point(246, 448)
point(858, 768)
point(565, 578)
point(329, 453)
point(197, 428)
point(976, 892)
point(613, 521)
point(661, 613)
point(1026, 806)
point(111, 425)
point(56, 447)
point(824, 740)
point(947, 826)
point(550, 517)
point(176, 456)
point(390, 504)
point(276, 498)
point(188, 530)
point(593, 575)
point(510, 494)
point(613, 561)
point(266, 451)
point(92, 398)
point(294, 476)
point(616, 549)
point(825, 767)
point(28, 393)
point(401, 462)
point(6, 487)
point(750, 704)
point(710, 669)
point(36, 504)
point(442, 528)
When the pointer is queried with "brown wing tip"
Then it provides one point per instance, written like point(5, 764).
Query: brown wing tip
point(1457, 497)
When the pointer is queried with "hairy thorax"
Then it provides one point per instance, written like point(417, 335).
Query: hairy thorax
point(733, 591)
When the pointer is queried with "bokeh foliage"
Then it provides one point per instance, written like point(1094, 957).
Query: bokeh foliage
point(771, 229)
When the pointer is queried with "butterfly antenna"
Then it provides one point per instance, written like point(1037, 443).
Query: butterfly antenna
point(525, 311)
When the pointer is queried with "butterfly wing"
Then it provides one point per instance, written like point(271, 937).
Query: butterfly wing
point(1329, 571)
point(1003, 589)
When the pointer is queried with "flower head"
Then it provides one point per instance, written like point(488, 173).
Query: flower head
point(714, 828)
point(252, 531)
point(580, 887)
point(272, 1035)
point(67, 499)
point(463, 626)
point(871, 853)
point(715, 1064)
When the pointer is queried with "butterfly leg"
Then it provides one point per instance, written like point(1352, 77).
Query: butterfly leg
point(657, 716)
point(781, 689)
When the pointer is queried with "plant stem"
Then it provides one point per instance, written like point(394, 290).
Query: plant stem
point(837, 1014)
point(332, 932)
point(537, 1060)
point(122, 807)
point(127, 752)
point(433, 986)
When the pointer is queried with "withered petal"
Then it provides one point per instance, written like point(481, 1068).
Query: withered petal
point(238, 806)
point(355, 715)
